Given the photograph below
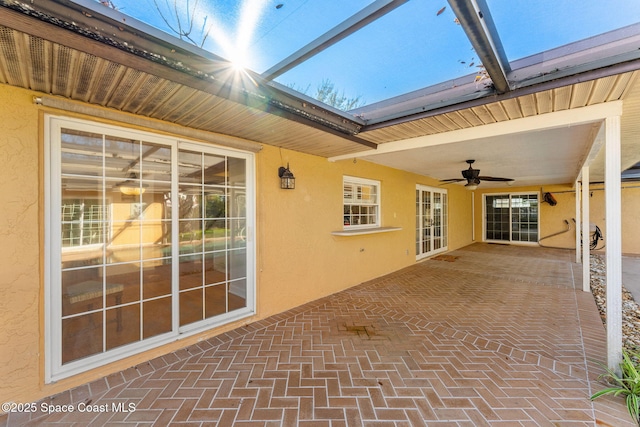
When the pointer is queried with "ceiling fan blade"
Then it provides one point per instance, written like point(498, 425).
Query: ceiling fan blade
point(491, 178)
point(452, 180)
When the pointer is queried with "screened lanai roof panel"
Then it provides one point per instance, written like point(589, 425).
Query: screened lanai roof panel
point(402, 58)
point(416, 45)
point(256, 34)
point(530, 27)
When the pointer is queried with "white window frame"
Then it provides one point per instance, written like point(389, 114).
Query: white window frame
point(511, 196)
point(54, 369)
point(444, 221)
point(356, 182)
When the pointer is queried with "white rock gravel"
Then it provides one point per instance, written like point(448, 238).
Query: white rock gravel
point(630, 309)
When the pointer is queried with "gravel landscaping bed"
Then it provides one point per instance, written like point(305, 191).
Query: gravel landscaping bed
point(630, 309)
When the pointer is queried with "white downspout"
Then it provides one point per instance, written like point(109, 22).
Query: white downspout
point(586, 256)
point(578, 218)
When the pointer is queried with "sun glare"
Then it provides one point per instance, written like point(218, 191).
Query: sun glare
point(236, 44)
point(238, 61)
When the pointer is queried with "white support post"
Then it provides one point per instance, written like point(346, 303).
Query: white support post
point(613, 222)
point(577, 224)
point(586, 256)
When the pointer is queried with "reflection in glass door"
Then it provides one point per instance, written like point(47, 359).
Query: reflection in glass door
point(212, 227)
point(511, 217)
point(431, 221)
point(149, 242)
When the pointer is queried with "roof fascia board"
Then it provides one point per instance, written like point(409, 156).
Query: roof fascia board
point(477, 98)
point(367, 15)
point(476, 21)
point(616, 47)
point(97, 18)
point(608, 54)
point(576, 116)
point(420, 105)
point(180, 62)
point(620, 40)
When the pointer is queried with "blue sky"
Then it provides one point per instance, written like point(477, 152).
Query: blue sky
point(412, 47)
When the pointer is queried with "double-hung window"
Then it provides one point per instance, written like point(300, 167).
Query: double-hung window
point(361, 202)
point(148, 240)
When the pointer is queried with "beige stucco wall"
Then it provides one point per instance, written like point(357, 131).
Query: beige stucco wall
point(298, 259)
point(295, 240)
point(20, 240)
point(552, 217)
point(630, 215)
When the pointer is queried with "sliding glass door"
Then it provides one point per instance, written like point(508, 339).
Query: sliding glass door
point(511, 217)
point(148, 241)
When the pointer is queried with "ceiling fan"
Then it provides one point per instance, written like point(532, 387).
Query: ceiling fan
point(473, 177)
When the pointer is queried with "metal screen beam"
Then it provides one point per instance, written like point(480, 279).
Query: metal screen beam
point(475, 19)
point(331, 37)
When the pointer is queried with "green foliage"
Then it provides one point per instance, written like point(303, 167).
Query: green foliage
point(327, 93)
point(627, 384)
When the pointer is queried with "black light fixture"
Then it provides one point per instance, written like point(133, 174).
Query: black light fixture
point(472, 184)
point(287, 180)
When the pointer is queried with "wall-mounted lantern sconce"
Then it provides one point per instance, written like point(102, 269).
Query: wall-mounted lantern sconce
point(287, 180)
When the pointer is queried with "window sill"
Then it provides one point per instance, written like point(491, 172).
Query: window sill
point(361, 231)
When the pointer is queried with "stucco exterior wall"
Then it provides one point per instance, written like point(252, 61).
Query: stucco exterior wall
point(298, 258)
point(20, 240)
point(554, 232)
point(630, 215)
point(297, 248)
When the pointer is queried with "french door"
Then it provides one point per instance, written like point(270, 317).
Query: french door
point(149, 241)
point(431, 221)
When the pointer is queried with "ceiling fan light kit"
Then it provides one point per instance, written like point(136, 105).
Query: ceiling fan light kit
point(473, 178)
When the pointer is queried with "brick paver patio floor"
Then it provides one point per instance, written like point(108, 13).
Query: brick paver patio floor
point(488, 335)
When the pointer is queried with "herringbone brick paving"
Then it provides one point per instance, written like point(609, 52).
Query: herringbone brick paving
point(499, 337)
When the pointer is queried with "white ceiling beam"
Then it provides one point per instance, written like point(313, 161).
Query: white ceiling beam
point(576, 116)
point(596, 146)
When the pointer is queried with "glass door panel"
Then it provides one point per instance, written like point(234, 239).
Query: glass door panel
point(511, 217)
point(115, 263)
point(437, 221)
point(431, 221)
point(497, 217)
point(150, 240)
point(212, 220)
point(524, 218)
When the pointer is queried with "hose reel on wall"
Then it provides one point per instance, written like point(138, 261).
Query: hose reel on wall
point(595, 235)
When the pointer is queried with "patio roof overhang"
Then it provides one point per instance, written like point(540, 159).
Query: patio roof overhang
point(120, 63)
